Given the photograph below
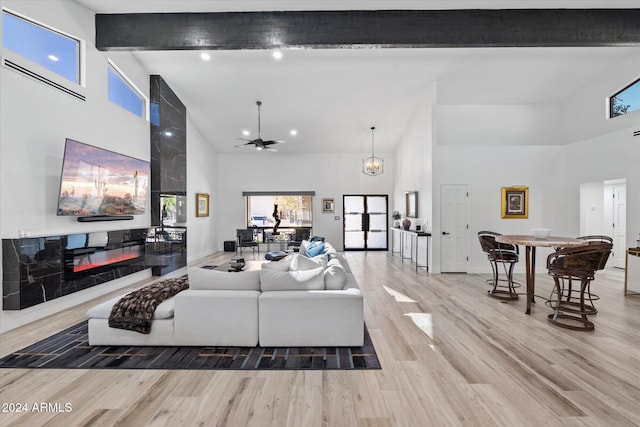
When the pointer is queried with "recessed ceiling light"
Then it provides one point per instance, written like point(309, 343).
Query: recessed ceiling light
point(293, 132)
point(277, 54)
point(53, 58)
point(246, 132)
point(205, 56)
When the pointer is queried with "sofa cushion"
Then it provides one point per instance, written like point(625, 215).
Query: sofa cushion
point(164, 310)
point(335, 276)
point(303, 280)
point(203, 279)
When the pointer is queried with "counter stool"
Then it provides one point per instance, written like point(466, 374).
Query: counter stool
point(575, 263)
point(573, 299)
point(500, 253)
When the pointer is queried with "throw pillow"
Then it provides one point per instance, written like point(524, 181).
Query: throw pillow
point(314, 249)
point(212, 280)
point(282, 265)
point(301, 263)
point(335, 276)
point(303, 246)
point(305, 280)
point(317, 239)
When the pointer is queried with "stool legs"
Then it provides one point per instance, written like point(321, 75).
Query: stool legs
point(504, 292)
point(564, 304)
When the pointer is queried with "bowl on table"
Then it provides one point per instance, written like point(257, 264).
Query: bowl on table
point(540, 233)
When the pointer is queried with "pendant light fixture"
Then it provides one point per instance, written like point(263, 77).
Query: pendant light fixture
point(373, 165)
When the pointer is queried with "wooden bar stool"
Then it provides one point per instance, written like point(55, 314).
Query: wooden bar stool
point(577, 263)
point(505, 254)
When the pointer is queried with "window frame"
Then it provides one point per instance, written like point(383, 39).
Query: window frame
point(612, 97)
point(134, 88)
point(284, 226)
point(42, 70)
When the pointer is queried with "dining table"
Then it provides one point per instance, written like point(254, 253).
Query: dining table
point(531, 243)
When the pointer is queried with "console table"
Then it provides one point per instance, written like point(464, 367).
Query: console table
point(414, 242)
point(632, 272)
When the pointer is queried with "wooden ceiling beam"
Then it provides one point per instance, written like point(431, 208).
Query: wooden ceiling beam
point(361, 28)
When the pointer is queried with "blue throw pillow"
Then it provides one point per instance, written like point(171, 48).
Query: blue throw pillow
point(317, 239)
point(315, 249)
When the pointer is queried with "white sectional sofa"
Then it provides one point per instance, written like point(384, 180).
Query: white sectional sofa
point(297, 301)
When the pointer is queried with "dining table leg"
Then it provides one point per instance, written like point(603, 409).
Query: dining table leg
point(530, 254)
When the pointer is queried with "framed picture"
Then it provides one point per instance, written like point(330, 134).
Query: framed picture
point(515, 202)
point(411, 200)
point(328, 205)
point(202, 204)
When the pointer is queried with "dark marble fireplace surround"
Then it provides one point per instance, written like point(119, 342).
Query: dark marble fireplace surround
point(39, 269)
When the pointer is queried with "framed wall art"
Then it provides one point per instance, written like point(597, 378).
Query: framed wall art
point(515, 202)
point(328, 205)
point(202, 204)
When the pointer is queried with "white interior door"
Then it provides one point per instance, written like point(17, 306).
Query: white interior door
point(619, 225)
point(454, 245)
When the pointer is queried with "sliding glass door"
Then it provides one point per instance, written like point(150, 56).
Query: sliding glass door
point(365, 222)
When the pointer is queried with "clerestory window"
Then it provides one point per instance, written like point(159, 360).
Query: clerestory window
point(124, 93)
point(625, 101)
point(43, 45)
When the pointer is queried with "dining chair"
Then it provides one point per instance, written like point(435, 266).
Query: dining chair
point(566, 265)
point(297, 237)
point(246, 239)
point(506, 255)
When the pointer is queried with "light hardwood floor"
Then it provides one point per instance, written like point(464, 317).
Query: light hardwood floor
point(451, 356)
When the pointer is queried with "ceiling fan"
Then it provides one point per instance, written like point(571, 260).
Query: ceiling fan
point(259, 143)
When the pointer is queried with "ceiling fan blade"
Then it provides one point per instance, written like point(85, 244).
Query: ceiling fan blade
point(271, 142)
point(244, 139)
point(271, 149)
point(244, 145)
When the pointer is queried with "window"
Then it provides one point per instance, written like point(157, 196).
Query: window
point(124, 93)
point(293, 210)
point(625, 101)
point(49, 48)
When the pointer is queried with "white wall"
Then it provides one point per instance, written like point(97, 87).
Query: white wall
point(413, 162)
point(498, 124)
point(329, 175)
point(592, 209)
point(36, 119)
point(201, 178)
point(606, 157)
point(34, 122)
point(486, 170)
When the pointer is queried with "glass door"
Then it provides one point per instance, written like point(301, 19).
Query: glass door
point(365, 222)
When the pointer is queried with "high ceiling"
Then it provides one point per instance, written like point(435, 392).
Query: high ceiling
point(333, 96)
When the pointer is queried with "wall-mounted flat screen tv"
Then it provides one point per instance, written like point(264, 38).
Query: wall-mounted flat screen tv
point(96, 181)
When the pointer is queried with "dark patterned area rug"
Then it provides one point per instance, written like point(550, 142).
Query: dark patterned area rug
point(70, 349)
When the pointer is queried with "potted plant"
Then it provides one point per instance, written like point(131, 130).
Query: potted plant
point(396, 218)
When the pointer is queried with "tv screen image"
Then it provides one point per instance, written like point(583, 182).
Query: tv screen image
point(96, 181)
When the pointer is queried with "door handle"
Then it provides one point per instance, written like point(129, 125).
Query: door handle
point(444, 233)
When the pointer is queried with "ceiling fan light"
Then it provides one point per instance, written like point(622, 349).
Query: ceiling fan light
point(258, 147)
